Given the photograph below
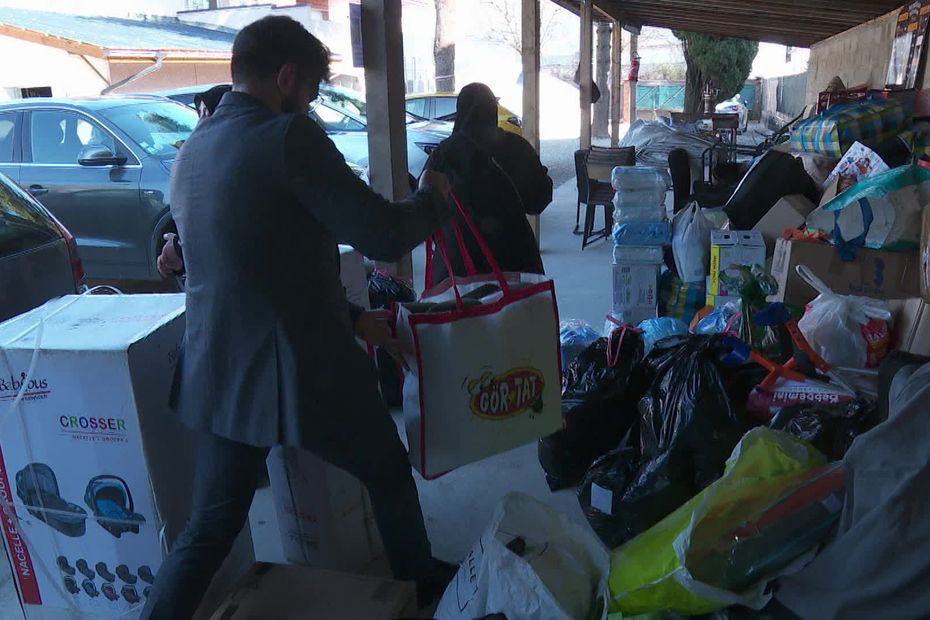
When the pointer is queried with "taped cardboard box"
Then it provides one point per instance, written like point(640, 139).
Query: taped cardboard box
point(324, 515)
point(97, 467)
point(733, 247)
point(787, 214)
point(298, 593)
point(911, 325)
point(875, 273)
point(636, 291)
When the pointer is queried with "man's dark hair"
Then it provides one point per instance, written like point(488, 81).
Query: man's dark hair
point(263, 47)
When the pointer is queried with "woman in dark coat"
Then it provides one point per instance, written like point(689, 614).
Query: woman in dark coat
point(499, 179)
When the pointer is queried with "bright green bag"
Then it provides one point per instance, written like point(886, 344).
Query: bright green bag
point(648, 574)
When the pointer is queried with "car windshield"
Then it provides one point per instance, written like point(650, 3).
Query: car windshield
point(346, 99)
point(158, 127)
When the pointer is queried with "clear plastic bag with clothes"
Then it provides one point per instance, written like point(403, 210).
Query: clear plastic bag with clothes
point(845, 330)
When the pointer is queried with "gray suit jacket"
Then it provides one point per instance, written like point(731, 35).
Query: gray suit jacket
point(261, 201)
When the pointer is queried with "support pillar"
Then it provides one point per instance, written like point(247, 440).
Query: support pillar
point(585, 77)
point(616, 79)
point(530, 49)
point(383, 59)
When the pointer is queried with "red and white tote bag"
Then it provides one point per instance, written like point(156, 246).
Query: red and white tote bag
point(484, 369)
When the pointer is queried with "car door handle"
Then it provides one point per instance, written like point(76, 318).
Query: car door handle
point(37, 190)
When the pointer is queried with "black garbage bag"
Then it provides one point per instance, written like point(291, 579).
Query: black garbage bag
point(772, 177)
point(384, 289)
point(687, 430)
point(598, 406)
point(830, 427)
point(688, 411)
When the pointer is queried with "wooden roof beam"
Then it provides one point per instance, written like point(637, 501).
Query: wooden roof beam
point(41, 38)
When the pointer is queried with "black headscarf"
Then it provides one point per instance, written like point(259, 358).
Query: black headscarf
point(211, 98)
point(476, 113)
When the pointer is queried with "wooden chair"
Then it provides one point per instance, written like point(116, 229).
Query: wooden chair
point(593, 168)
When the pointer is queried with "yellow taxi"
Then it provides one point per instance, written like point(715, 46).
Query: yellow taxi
point(441, 107)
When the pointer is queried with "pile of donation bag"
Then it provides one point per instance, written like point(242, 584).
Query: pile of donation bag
point(717, 449)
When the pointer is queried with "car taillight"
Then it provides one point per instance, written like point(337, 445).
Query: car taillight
point(77, 267)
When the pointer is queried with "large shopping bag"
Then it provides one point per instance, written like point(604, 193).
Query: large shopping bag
point(531, 563)
point(484, 363)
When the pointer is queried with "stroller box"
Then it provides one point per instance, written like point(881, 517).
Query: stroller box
point(95, 470)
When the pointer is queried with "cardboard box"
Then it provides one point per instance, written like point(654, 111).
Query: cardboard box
point(875, 273)
point(93, 428)
point(733, 247)
point(911, 325)
point(636, 290)
point(324, 514)
point(299, 593)
point(788, 213)
point(925, 255)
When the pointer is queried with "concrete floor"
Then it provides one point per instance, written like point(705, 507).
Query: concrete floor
point(459, 505)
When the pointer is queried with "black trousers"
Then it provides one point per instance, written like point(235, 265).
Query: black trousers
point(226, 475)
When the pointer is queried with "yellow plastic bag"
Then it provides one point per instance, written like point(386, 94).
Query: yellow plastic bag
point(649, 573)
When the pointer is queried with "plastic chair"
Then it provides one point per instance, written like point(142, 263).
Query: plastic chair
point(592, 171)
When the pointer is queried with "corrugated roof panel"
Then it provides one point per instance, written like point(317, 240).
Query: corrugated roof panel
point(117, 33)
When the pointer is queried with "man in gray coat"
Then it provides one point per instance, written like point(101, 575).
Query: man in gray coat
point(261, 198)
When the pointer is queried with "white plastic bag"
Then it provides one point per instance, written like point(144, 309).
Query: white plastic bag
point(845, 330)
point(691, 243)
point(560, 573)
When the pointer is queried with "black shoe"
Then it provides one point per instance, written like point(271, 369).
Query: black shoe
point(431, 587)
point(65, 568)
point(72, 586)
point(104, 572)
point(123, 571)
point(130, 594)
point(109, 591)
point(145, 574)
point(84, 569)
point(90, 589)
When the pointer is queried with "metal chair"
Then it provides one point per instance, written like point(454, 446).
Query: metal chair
point(593, 168)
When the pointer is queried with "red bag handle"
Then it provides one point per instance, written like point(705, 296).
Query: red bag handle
point(443, 247)
point(441, 244)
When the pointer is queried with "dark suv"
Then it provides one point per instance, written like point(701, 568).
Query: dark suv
point(102, 167)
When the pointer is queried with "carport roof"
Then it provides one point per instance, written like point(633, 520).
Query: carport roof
point(117, 38)
point(799, 23)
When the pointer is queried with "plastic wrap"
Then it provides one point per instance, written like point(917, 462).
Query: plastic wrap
point(660, 328)
point(575, 336)
point(642, 233)
point(638, 254)
point(640, 178)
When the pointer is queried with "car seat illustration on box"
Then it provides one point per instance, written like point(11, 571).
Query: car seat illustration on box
point(111, 502)
point(37, 488)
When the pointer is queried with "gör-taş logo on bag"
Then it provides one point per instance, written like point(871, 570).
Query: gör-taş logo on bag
point(507, 395)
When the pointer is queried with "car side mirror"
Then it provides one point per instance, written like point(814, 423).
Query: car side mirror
point(99, 156)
